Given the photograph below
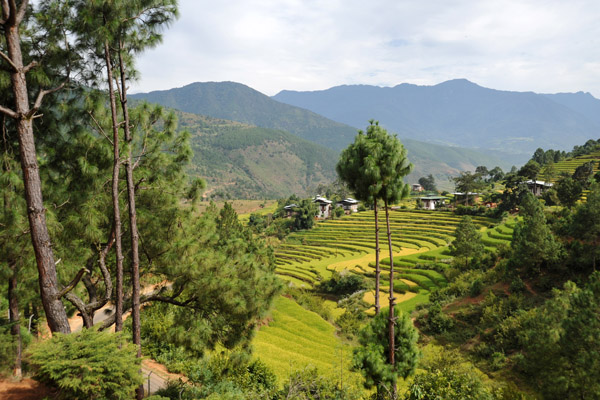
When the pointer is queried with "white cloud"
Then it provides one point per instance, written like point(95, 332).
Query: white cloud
point(539, 45)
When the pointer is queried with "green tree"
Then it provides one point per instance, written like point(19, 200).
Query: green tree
point(534, 247)
point(13, 21)
point(358, 168)
point(560, 342)
point(88, 365)
point(467, 243)
point(468, 183)
point(568, 191)
point(304, 217)
point(585, 228)
point(530, 170)
point(371, 356)
point(428, 183)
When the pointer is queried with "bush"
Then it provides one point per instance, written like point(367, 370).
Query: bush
point(342, 284)
point(88, 365)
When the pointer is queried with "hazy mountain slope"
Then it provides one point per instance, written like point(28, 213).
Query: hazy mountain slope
point(456, 112)
point(243, 161)
point(237, 102)
point(583, 103)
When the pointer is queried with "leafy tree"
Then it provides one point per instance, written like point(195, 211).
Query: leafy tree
point(88, 365)
point(304, 217)
point(468, 182)
point(568, 191)
point(428, 183)
point(370, 357)
point(496, 174)
point(583, 174)
point(530, 170)
point(467, 243)
point(534, 247)
point(308, 384)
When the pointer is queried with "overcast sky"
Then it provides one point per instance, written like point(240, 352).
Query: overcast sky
point(545, 46)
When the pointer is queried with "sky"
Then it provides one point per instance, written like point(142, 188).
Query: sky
point(545, 46)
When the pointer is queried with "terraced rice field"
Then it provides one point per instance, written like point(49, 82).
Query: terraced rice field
point(569, 166)
point(296, 338)
point(420, 242)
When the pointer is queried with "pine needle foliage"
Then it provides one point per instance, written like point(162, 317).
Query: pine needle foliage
point(88, 365)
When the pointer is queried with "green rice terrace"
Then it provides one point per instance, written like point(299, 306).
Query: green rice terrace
point(570, 165)
point(420, 241)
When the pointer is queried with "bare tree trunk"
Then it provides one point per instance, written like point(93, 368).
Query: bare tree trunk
point(36, 213)
point(392, 318)
point(135, 257)
point(15, 318)
point(377, 267)
point(115, 192)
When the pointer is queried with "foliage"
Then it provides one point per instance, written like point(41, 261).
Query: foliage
point(467, 243)
point(584, 227)
point(88, 365)
point(568, 191)
point(469, 183)
point(447, 376)
point(530, 170)
point(343, 283)
point(371, 359)
point(428, 183)
point(534, 247)
point(308, 384)
point(561, 344)
point(304, 215)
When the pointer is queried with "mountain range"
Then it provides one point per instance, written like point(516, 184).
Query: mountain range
point(461, 113)
point(250, 145)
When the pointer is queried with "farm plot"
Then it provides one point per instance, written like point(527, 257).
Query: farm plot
point(296, 338)
point(420, 243)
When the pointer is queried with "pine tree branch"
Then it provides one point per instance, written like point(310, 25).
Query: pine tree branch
point(8, 112)
point(29, 66)
point(40, 97)
point(21, 12)
point(73, 283)
point(6, 58)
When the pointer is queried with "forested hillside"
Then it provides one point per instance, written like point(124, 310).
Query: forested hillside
point(243, 161)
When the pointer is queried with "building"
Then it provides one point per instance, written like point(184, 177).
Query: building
point(324, 207)
point(431, 202)
point(469, 199)
point(416, 187)
point(349, 205)
point(290, 210)
point(538, 187)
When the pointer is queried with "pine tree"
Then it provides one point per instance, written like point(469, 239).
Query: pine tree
point(467, 243)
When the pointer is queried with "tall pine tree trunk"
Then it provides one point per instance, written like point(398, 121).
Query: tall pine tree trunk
point(36, 213)
point(377, 267)
point(15, 319)
point(135, 257)
point(115, 192)
point(392, 318)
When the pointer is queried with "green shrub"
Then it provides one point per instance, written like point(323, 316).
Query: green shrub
point(88, 365)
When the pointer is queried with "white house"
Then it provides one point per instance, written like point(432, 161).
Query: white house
point(349, 205)
point(430, 202)
point(324, 207)
point(538, 187)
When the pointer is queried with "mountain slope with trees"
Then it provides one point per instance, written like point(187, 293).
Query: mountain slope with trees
point(243, 161)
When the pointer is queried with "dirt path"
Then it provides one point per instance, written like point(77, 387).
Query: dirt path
point(27, 389)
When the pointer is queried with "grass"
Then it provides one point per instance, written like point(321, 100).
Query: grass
point(296, 338)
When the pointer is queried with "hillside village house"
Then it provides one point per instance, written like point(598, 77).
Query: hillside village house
point(324, 207)
point(461, 198)
point(538, 187)
point(349, 205)
point(417, 187)
point(431, 202)
point(289, 210)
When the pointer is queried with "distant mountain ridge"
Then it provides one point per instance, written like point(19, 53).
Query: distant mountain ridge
point(459, 112)
point(237, 102)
